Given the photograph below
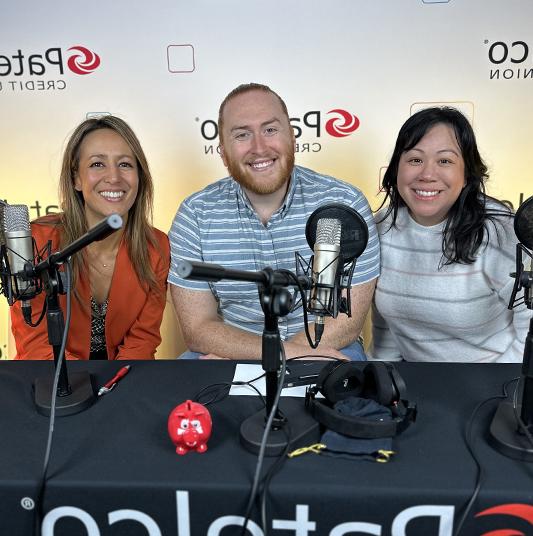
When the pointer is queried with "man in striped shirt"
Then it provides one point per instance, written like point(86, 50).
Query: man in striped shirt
point(256, 219)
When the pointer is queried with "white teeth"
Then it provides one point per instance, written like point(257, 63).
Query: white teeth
point(261, 165)
point(112, 195)
point(425, 193)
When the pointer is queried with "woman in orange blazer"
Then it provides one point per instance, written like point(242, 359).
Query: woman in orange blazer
point(119, 283)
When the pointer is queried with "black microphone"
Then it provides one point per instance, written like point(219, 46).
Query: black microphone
point(101, 230)
point(523, 227)
point(337, 234)
point(523, 223)
point(19, 246)
point(508, 435)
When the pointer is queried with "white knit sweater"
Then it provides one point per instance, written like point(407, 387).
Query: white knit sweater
point(456, 313)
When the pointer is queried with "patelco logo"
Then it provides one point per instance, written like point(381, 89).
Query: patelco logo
point(302, 522)
point(49, 62)
point(83, 63)
point(310, 124)
point(521, 511)
point(44, 70)
point(510, 60)
point(343, 125)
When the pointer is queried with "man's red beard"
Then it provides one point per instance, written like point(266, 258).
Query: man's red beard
point(250, 182)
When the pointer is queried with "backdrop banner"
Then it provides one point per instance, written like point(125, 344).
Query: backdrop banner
point(351, 72)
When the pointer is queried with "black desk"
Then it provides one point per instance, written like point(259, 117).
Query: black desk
point(114, 463)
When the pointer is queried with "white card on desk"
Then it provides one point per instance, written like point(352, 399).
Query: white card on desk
point(245, 373)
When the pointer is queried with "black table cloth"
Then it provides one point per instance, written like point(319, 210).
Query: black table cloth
point(114, 471)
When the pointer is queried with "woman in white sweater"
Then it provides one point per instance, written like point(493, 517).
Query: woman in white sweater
point(447, 250)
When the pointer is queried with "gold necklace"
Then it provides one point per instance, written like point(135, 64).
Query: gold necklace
point(96, 262)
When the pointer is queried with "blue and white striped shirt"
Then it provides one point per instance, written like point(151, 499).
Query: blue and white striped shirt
point(219, 225)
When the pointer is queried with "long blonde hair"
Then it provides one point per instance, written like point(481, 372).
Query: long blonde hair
point(138, 232)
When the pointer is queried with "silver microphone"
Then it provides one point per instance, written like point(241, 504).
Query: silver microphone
point(325, 262)
point(3, 205)
point(19, 246)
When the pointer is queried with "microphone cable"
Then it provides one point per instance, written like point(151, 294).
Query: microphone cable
point(274, 468)
point(39, 255)
point(262, 448)
point(470, 446)
point(39, 500)
point(223, 390)
point(518, 418)
point(39, 320)
point(282, 458)
point(301, 290)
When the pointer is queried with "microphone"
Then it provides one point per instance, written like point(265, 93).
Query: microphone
point(3, 204)
point(511, 429)
point(101, 230)
point(19, 246)
point(338, 235)
point(324, 272)
point(523, 228)
point(523, 223)
point(4, 272)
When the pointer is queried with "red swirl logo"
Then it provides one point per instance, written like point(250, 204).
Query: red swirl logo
point(343, 125)
point(83, 63)
point(521, 511)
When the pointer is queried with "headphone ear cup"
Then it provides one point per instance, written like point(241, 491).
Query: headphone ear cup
point(342, 381)
point(398, 383)
point(378, 384)
point(324, 373)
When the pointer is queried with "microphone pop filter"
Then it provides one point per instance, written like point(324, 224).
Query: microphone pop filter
point(354, 231)
point(523, 223)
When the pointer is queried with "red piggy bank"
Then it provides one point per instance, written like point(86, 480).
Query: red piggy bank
point(189, 427)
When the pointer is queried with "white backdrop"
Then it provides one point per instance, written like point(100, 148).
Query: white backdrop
point(165, 67)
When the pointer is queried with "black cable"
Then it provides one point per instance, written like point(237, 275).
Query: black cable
point(39, 500)
point(218, 396)
point(221, 394)
point(224, 389)
point(304, 307)
point(274, 468)
point(41, 316)
point(307, 356)
point(262, 448)
point(518, 418)
point(470, 446)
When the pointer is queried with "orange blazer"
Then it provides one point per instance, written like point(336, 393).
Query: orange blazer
point(133, 315)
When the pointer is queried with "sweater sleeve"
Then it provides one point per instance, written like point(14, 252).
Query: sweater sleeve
point(383, 346)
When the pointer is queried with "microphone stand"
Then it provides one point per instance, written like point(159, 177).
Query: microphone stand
point(506, 435)
point(78, 394)
point(276, 302)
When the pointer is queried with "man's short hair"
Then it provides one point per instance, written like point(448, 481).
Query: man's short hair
point(245, 88)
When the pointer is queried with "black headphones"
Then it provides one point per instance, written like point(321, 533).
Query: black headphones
point(378, 381)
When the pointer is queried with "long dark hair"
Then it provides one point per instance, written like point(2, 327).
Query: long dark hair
point(468, 217)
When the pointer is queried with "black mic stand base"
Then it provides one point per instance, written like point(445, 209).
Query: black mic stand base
point(80, 398)
point(505, 435)
point(299, 428)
